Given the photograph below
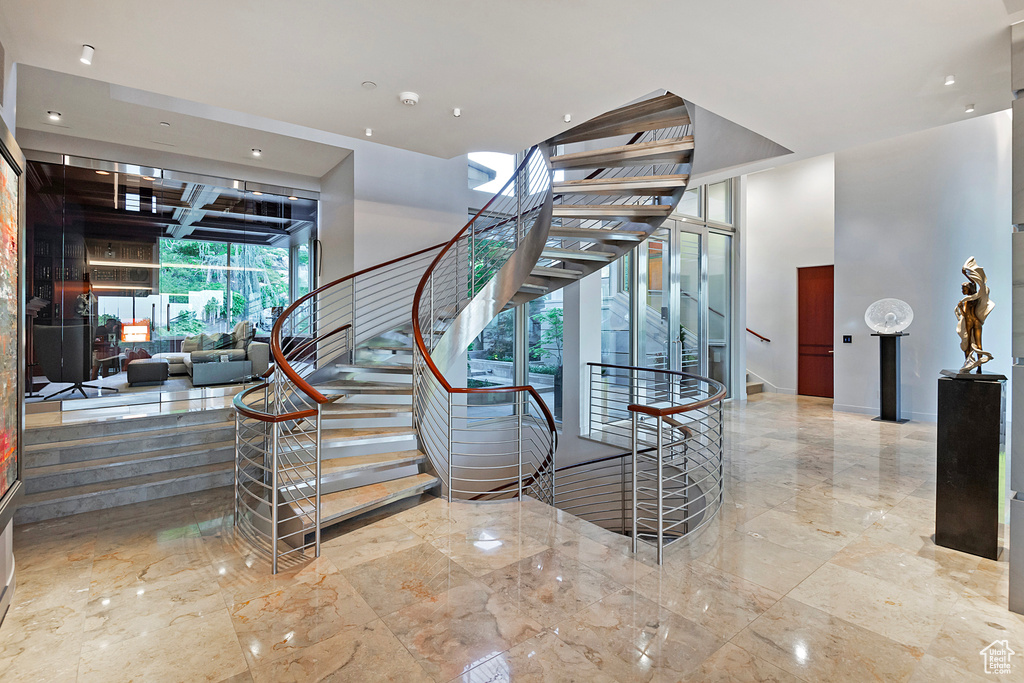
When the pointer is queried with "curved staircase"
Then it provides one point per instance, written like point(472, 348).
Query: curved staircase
point(365, 405)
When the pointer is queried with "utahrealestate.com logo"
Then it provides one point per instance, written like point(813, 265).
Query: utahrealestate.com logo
point(997, 657)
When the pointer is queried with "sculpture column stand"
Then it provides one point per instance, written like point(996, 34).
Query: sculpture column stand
point(889, 376)
point(970, 447)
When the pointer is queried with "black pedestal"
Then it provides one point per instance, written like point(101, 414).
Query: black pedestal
point(889, 376)
point(970, 438)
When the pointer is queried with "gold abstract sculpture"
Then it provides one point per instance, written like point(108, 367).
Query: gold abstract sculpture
point(970, 316)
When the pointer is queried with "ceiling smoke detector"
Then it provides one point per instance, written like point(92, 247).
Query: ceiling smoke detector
point(408, 98)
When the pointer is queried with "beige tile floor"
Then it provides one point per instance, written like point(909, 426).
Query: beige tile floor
point(820, 568)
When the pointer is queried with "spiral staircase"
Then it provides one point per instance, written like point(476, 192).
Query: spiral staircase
point(366, 404)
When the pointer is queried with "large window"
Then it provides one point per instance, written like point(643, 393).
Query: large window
point(544, 335)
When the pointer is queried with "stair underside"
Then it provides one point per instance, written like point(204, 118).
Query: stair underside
point(658, 112)
point(577, 254)
point(596, 234)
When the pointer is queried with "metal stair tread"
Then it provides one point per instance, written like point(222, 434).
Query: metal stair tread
point(123, 483)
point(632, 185)
point(669, 149)
point(603, 211)
point(82, 465)
point(545, 271)
point(344, 504)
point(148, 434)
point(342, 435)
point(577, 254)
point(355, 463)
point(651, 114)
point(369, 366)
point(596, 234)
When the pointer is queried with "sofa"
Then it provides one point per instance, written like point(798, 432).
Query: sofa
point(237, 345)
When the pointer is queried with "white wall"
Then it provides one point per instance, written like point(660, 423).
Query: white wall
point(789, 224)
point(908, 213)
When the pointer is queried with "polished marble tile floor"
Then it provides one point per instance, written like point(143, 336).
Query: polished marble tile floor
point(820, 567)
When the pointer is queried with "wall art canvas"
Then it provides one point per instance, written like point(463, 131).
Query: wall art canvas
point(9, 235)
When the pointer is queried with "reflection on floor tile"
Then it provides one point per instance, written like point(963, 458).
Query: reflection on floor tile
point(820, 567)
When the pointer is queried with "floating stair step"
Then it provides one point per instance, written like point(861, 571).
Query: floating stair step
point(344, 387)
point(339, 467)
point(596, 234)
point(664, 111)
point(671, 150)
point(616, 212)
point(393, 349)
point(337, 507)
point(577, 254)
point(371, 367)
point(648, 186)
point(359, 436)
point(62, 502)
point(532, 289)
point(74, 474)
point(348, 410)
point(567, 273)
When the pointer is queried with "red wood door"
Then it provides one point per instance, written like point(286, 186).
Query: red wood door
point(814, 331)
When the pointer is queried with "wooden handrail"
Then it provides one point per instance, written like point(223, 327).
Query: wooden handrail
point(759, 336)
point(248, 412)
point(672, 410)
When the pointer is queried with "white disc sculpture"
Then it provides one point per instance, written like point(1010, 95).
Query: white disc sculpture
point(889, 316)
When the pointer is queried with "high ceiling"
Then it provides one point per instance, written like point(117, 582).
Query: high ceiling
point(812, 76)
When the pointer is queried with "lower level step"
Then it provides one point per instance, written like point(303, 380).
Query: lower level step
point(35, 507)
point(754, 388)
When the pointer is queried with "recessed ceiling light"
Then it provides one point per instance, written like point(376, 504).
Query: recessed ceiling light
point(456, 112)
point(257, 152)
point(369, 85)
point(257, 193)
point(102, 172)
point(87, 53)
point(54, 115)
point(369, 132)
point(950, 80)
point(969, 108)
point(294, 199)
point(165, 124)
point(567, 118)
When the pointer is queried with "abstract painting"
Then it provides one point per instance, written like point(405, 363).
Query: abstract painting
point(9, 324)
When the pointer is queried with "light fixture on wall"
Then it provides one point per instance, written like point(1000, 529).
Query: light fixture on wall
point(456, 112)
point(369, 132)
point(293, 198)
point(54, 115)
point(87, 52)
point(102, 172)
point(969, 108)
point(567, 118)
point(950, 79)
point(257, 193)
point(148, 177)
point(257, 152)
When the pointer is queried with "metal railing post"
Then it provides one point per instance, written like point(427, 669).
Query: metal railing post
point(319, 412)
point(661, 494)
point(519, 438)
point(636, 498)
point(622, 492)
point(238, 455)
point(273, 497)
point(472, 260)
point(451, 455)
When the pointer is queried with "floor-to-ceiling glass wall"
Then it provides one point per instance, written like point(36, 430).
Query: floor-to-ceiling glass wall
point(129, 262)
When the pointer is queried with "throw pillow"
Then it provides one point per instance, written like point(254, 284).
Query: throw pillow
point(141, 353)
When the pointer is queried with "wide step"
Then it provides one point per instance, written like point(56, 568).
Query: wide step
point(375, 461)
point(577, 254)
point(596, 234)
point(672, 150)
